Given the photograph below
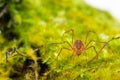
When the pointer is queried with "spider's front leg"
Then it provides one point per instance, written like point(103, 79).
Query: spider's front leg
point(63, 47)
point(70, 30)
point(87, 33)
point(61, 43)
point(61, 51)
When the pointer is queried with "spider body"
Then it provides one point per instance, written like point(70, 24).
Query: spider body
point(78, 47)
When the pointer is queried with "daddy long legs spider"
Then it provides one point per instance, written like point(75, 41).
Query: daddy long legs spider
point(78, 46)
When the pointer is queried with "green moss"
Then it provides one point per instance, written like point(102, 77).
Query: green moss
point(40, 23)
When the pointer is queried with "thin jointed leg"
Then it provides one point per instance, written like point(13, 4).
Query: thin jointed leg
point(87, 35)
point(105, 44)
point(89, 42)
point(95, 52)
point(63, 43)
point(61, 51)
point(71, 30)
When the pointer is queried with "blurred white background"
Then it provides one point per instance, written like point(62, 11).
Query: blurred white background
point(112, 6)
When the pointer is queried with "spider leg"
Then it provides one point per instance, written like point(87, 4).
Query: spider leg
point(108, 47)
point(93, 48)
point(87, 33)
point(89, 42)
point(57, 43)
point(61, 50)
point(63, 43)
point(99, 42)
point(96, 56)
point(105, 44)
point(70, 30)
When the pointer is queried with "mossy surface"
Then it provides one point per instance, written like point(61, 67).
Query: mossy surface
point(32, 27)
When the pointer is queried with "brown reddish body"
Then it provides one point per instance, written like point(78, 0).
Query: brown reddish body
point(78, 47)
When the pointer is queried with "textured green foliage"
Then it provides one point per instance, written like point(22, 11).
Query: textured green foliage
point(40, 23)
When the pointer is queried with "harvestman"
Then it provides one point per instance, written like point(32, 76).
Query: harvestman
point(78, 47)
